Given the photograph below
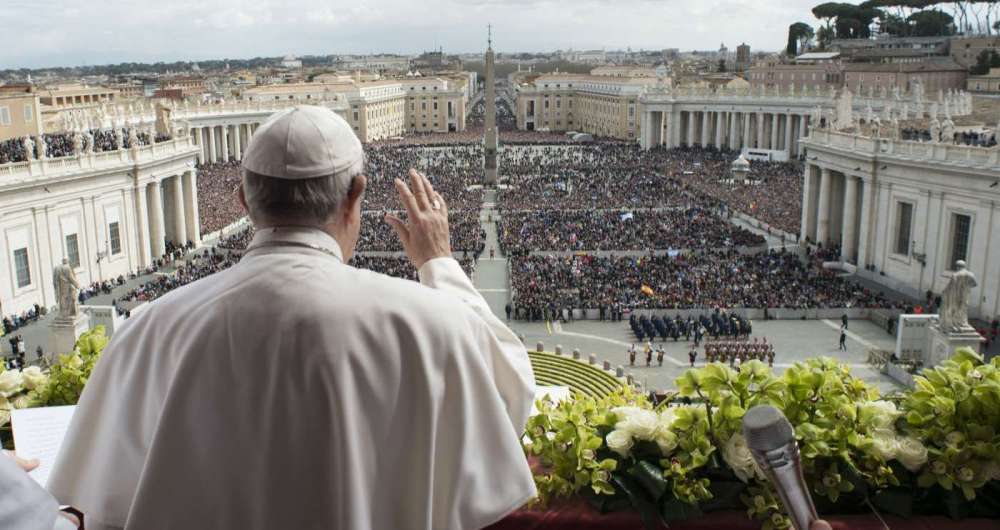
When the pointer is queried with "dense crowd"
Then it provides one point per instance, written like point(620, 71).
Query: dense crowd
point(378, 236)
point(196, 267)
point(971, 138)
point(451, 170)
point(399, 266)
point(774, 279)
point(57, 145)
point(567, 230)
point(619, 175)
point(218, 206)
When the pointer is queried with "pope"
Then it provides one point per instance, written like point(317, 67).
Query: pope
point(295, 391)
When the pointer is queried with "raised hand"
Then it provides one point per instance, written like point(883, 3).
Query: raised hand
point(425, 236)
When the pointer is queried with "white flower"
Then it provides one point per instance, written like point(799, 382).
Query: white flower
point(21, 402)
point(879, 414)
point(33, 377)
point(665, 438)
point(736, 453)
point(11, 382)
point(619, 441)
point(954, 438)
point(587, 454)
point(911, 453)
point(640, 423)
point(884, 447)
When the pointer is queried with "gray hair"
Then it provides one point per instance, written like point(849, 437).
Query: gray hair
point(313, 200)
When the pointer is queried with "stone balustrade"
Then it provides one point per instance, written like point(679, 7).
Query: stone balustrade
point(932, 152)
point(104, 160)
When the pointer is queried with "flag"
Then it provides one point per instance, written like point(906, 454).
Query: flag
point(647, 290)
point(627, 215)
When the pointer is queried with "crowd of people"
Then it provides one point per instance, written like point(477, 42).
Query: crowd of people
point(218, 206)
point(615, 175)
point(971, 138)
point(196, 267)
point(725, 278)
point(521, 232)
point(378, 236)
point(57, 145)
point(400, 266)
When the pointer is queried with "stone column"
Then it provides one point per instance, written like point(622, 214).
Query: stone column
point(211, 145)
point(157, 226)
point(706, 128)
point(823, 209)
point(689, 141)
point(808, 206)
point(745, 141)
point(864, 232)
point(850, 228)
point(180, 228)
point(191, 206)
point(718, 130)
point(196, 136)
point(142, 226)
point(645, 138)
point(788, 135)
point(225, 143)
point(759, 141)
point(732, 131)
point(775, 125)
point(237, 147)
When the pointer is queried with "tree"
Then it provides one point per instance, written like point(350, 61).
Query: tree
point(797, 32)
point(987, 59)
point(722, 65)
point(930, 23)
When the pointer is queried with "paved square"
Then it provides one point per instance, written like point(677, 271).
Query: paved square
point(794, 340)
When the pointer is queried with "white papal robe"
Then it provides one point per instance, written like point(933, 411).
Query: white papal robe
point(295, 392)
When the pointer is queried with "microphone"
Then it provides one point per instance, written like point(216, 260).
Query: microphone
point(771, 439)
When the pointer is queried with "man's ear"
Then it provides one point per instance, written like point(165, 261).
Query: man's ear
point(356, 193)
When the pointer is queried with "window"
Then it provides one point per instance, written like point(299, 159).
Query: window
point(4, 116)
point(29, 112)
point(904, 218)
point(22, 267)
point(435, 105)
point(114, 236)
point(960, 226)
point(73, 250)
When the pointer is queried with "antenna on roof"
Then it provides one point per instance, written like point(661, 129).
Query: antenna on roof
point(489, 35)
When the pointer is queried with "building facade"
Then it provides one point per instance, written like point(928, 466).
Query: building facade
point(904, 212)
point(108, 214)
point(20, 114)
point(599, 105)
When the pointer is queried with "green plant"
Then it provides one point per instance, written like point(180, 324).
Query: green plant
point(688, 455)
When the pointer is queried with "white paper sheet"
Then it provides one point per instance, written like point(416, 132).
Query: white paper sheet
point(38, 433)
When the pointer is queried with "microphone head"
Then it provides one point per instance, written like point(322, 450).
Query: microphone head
point(766, 428)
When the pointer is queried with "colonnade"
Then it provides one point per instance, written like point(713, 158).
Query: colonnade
point(836, 210)
point(221, 143)
point(725, 129)
point(166, 210)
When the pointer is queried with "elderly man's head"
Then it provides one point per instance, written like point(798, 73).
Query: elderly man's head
point(303, 167)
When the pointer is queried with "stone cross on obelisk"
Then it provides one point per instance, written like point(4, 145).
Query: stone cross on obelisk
point(490, 137)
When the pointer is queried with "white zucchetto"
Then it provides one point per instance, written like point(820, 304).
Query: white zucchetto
point(304, 142)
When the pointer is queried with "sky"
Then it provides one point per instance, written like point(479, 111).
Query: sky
point(44, 33)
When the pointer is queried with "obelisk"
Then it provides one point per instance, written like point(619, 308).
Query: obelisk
point(490, 137)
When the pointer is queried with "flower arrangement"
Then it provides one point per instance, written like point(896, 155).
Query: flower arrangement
point(61, 384)
point(934, 449)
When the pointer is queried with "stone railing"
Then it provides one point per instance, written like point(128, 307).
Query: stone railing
point(54, 167)
point(959, 155)
point(810, 98)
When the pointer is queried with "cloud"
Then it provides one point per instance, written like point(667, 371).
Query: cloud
point(59, 32)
